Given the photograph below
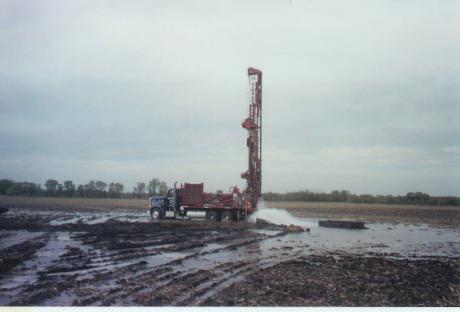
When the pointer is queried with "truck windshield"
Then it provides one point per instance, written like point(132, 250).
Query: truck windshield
point(159, 202)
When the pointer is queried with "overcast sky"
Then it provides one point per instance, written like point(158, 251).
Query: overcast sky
point(357, 95)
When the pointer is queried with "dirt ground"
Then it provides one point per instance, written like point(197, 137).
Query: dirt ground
point(346, 280)
point(98, 255)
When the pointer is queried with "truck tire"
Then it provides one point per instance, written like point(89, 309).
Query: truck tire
point(227, 216)
point(155, 213)
point(212, 215)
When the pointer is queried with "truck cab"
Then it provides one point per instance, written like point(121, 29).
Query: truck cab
point(159, 206)
point(163, 206)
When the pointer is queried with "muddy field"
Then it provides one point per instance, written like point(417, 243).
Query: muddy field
point(98, 256)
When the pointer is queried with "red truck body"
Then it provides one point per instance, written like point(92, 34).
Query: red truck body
point(217, 206)
point(191, 194)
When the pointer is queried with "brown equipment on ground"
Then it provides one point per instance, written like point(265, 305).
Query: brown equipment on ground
point(342, 224)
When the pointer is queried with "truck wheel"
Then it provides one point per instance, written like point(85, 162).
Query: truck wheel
point(155, 213)
point(211, 216)
point(227, 216)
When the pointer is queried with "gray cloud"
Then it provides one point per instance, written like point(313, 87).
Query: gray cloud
point(360, 95)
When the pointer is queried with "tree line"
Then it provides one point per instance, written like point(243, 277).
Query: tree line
point(92, 189)
point(411, 198)
point(155, 187)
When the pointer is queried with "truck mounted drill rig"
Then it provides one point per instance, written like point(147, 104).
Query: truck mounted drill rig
point(232, 206)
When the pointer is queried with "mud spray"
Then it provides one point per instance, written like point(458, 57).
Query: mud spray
point(278, 216)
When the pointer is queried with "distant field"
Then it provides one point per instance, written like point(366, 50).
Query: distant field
point(81, 204)
point(446, 215)
point(368, 212)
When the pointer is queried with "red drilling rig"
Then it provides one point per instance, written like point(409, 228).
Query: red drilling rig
point(253, 124)
point(234, 205)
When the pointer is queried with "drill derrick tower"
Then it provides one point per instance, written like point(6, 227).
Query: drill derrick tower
point(253, 124)
point(225, 207)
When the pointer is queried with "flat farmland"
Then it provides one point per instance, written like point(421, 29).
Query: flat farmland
point(434, 215)
point(80, 204)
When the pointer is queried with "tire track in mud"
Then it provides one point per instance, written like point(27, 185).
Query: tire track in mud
point(166, 282)
point(40, 253)
point(15, 255)
point(128, 263)
point(172, 292)
point(232, 272)
point(159, 263)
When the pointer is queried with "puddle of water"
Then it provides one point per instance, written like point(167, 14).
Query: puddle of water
point(414, 240)
point(11, 238)
point(280, 216)
point(27, 273)
point(211, 247)
point(265, 231)
point(133, 218)
point(406, 240)
point(165, 257)
point(65, 220)
point(99, 217)
point(65, 298)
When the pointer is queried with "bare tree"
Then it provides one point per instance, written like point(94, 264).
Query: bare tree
point(69, 188)
point(90, 188)
point(100, 188)
point(51, 186)
point(115, 189)
point(81, 190)
point(162, 188)
point(5, 184)
point(139, 189)
point(152, 186)
point(119, 188)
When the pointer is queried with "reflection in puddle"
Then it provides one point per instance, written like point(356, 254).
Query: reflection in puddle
point(95, 218)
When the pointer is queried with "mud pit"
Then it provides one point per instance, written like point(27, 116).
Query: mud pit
point(70, 258)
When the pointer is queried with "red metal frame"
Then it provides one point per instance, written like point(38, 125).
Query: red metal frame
point(253, 124)
point(192, 195)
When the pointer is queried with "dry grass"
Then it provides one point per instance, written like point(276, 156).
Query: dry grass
point(335, 205)
point(80, 204)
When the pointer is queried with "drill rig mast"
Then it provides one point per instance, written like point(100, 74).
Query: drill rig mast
point(253, 124)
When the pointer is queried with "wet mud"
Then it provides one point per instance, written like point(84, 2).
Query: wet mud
point(72, 258)
point(347, 280)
